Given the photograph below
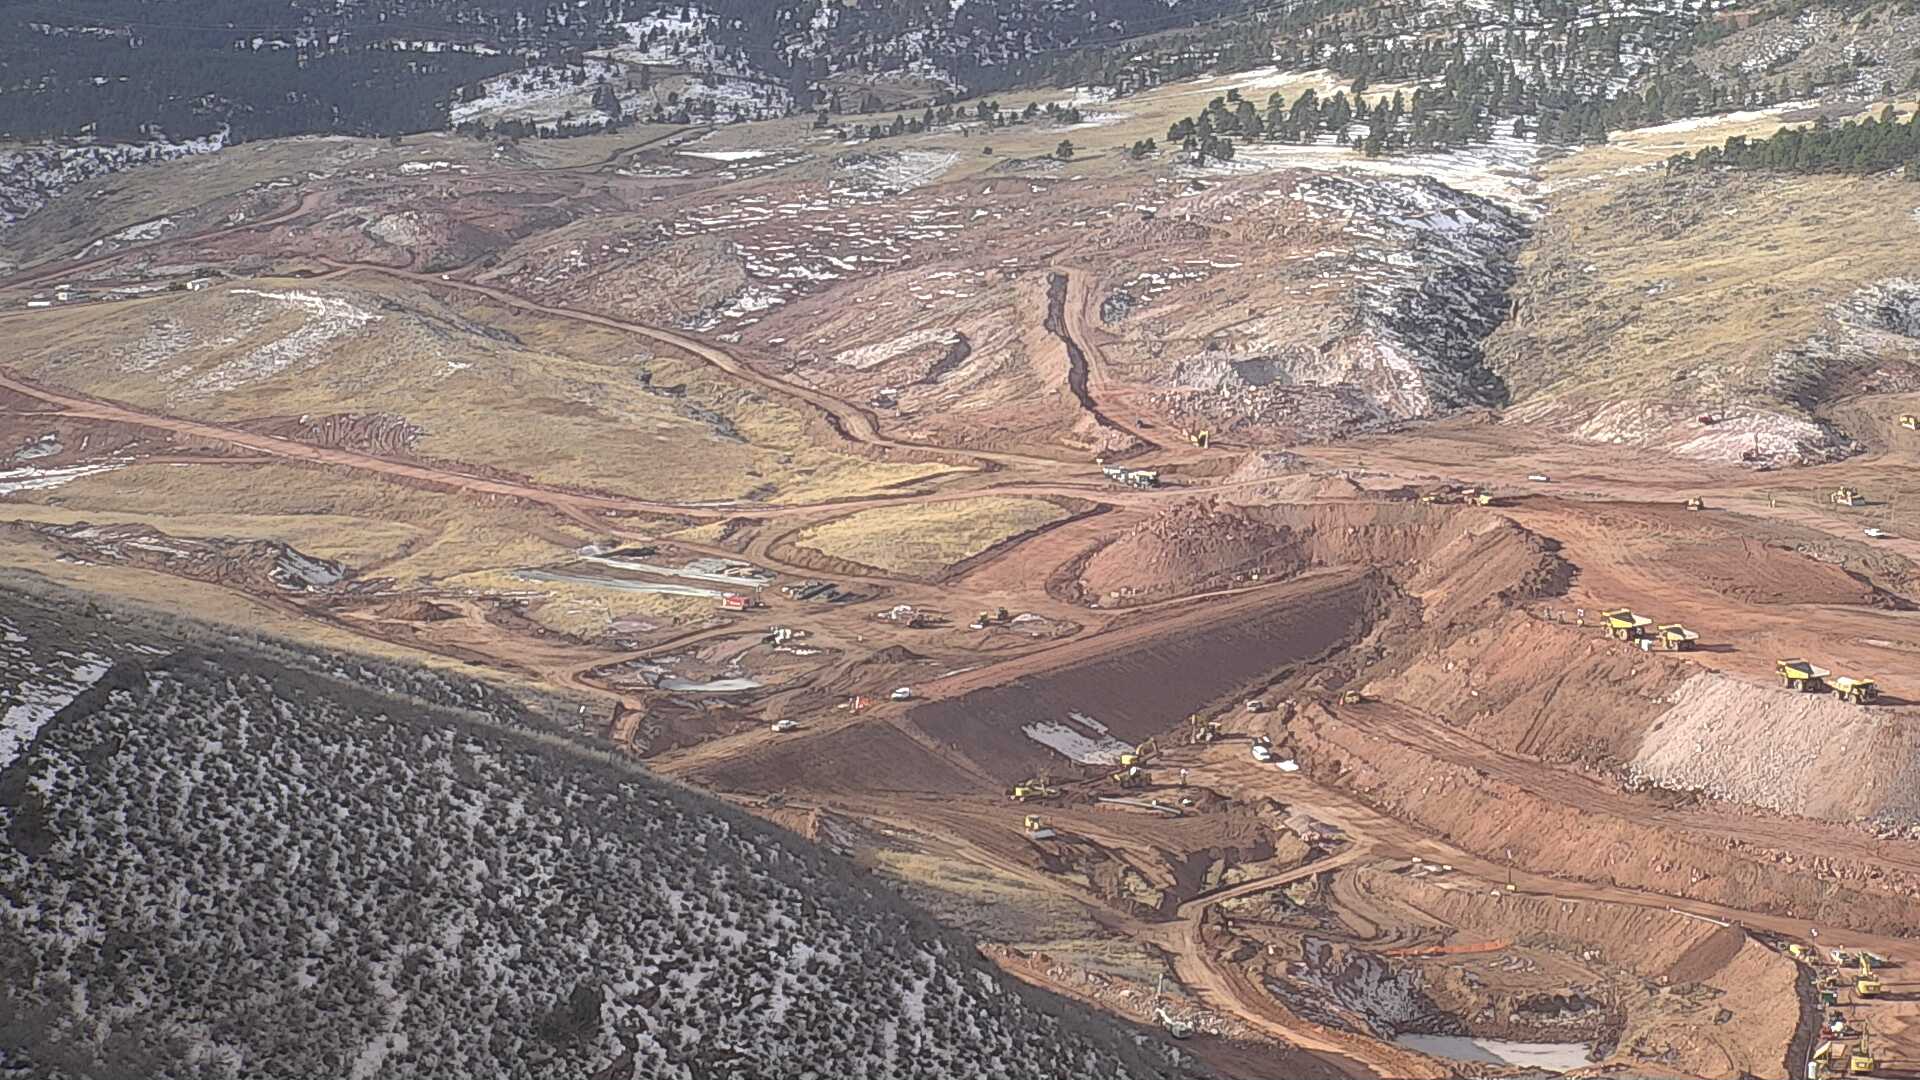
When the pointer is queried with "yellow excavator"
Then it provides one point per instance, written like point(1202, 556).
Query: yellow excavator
point(1200, 438)
point(1040, 787)
point(1867, 985)
point(1862, 1062)
point(1696, 503)
point(1910, 422)
point(1141, 754)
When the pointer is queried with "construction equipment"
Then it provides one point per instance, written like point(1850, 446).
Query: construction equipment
point(1677, 638)
point(1857, 690)
point(1861, 1061)
point(1802, 676)
point(1200, 438)
point(1847, 496)
point(1037, 829)
point(996, 617)
point(1140, 478)
point(1696, 503)
point(1133, 776)
point(1484, 498)
point(1351, 697)
point(1910, 422)
point(1175, 1026)
point(1039, 787)
point(1141, 754)
point(1625, 625)
point(1866, 985)
point(1202, 731)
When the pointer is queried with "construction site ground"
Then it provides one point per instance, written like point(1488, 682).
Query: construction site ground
point(1475, 816)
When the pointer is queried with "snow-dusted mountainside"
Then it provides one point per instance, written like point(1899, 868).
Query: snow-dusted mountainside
point(1318, 302)
point(219, 864)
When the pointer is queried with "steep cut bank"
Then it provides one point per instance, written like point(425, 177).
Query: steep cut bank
point(234, 862)
point(1502, 818)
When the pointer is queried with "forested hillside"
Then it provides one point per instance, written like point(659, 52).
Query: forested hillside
point(217, 861)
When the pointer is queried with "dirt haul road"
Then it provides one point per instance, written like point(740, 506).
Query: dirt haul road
point(853, 422)
point(74, 405)
point(302, 206)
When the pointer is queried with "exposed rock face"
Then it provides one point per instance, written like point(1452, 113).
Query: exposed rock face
point(1382, 318)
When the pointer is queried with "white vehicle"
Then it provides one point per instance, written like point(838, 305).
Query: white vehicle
point(1878, 534)
point(781, 727)
point(1540, 478)
point(904, 693)
point(1262, 752)
point(1256, 706)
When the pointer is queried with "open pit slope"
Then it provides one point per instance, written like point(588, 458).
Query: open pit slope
point(1298, 581)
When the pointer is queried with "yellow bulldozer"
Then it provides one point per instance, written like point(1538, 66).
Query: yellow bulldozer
point(1037, 829)
point(1847, 496)
point(1857, 690)
point(1038, 788)
point(1352, 697)
point(1202, 731)
point(1802, 676)
point(1133, 776)
point(1696, 503)
point(1625, 625)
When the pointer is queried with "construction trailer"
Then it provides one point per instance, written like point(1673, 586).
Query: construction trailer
point(1625, 625)
point(1802, 676)
point(1677, 638)
point(1857, 690)
point(1847, 496)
